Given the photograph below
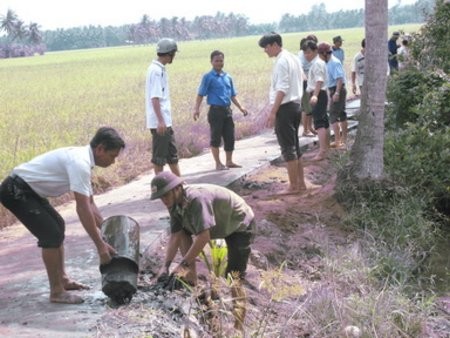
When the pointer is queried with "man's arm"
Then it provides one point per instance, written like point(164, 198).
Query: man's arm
point(238, 104)
point(276, 105)
point(337, 93)
point(200, 240)
point(198, 102)
point(97, 215)
point(89, 220)
point(161, 123)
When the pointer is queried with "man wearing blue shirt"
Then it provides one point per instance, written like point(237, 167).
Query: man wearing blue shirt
point(338, 52)
point(338, 94)
point(218, 86)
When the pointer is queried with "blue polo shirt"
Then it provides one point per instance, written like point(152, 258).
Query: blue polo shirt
point(335, 71)
point(218, 87)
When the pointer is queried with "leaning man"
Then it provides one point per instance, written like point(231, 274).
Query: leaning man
point(24, 192)
point(199, 213)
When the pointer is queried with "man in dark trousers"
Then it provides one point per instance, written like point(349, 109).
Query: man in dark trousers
point(218, 86)
point(24, 192)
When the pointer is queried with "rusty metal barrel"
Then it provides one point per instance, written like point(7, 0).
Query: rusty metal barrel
point(119, 277)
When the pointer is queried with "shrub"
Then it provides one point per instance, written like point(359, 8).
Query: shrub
point(406, 91)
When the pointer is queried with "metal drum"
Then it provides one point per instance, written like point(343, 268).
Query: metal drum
point(119, 277)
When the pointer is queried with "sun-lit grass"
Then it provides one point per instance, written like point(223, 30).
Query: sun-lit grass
point(61, 98)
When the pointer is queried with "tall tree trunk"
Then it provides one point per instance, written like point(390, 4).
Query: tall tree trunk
point(367, 152)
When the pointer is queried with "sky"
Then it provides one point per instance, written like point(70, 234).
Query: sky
point(52, 14)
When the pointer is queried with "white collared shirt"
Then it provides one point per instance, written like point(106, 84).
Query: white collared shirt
point(59, 171)
point(287, 77)
point(317, 72)
point(157, 86)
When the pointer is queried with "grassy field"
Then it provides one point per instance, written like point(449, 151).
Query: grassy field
point(60, 99)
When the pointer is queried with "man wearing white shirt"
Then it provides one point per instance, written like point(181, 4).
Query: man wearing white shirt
point(317, 87)
point(25, 191)
point(286, 92)
point(158, 108)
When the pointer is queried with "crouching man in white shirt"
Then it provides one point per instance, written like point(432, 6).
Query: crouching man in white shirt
point(24, 192)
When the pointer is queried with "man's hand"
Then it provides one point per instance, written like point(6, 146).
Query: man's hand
point(161, 129)
point(270, 120)
point(105, 252)
point(244, 111)
point(313, 100)
point(196, 115)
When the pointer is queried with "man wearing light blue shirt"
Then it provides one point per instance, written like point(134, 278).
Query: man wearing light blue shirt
point(338, 94)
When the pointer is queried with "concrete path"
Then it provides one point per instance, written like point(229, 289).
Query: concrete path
point(24, 307)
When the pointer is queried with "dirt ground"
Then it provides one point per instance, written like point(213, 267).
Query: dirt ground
point(285, 268)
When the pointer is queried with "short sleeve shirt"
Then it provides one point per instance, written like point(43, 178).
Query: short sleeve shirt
point(317, 72)
point(335, 72)
point(358, 67)
point(59, 171)
point(218, 87)
point(157, 86)
point(212, 207)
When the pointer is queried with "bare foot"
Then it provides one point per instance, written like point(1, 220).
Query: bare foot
point(73, 285)
point(319, 157)
point(221, 167)
point(287, 191)
point(66, 298)
point(233, 165)
point(308, 134)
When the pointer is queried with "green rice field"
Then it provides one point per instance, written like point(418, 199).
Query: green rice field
point(60, 99)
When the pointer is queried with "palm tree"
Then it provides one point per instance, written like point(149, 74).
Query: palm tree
point(367, 152)
point(8, 23)
point(21, 31)
point(34, 33)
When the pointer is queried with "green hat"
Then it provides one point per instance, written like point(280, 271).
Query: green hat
point(163, 183)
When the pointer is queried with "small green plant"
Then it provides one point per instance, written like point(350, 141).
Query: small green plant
point(219, 253)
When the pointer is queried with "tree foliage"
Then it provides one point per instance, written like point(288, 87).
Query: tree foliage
point(221, 25)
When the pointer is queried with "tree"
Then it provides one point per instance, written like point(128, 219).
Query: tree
point(8, 23)
point(367, 152)
point(34, 33)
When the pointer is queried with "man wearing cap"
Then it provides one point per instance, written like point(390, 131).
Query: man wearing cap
point(392, 48)
point(158, 108)
point(25, 191)
point(199, 213)
point(338, 52)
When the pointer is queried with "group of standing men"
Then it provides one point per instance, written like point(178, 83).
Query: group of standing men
point(325, 91)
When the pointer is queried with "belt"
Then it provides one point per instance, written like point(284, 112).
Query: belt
point(213, 106)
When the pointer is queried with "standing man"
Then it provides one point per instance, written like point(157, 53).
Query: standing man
point(24, 192)
point(392, 48)
point(338, 95)
point(158, 108)
point(199, 213)
point(338, 52)
point(357, 68)
point(285, 95)
point(307, 118)
point(219, 89)
point(317, 89)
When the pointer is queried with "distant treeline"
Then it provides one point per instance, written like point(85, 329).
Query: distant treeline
point(202, 27)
